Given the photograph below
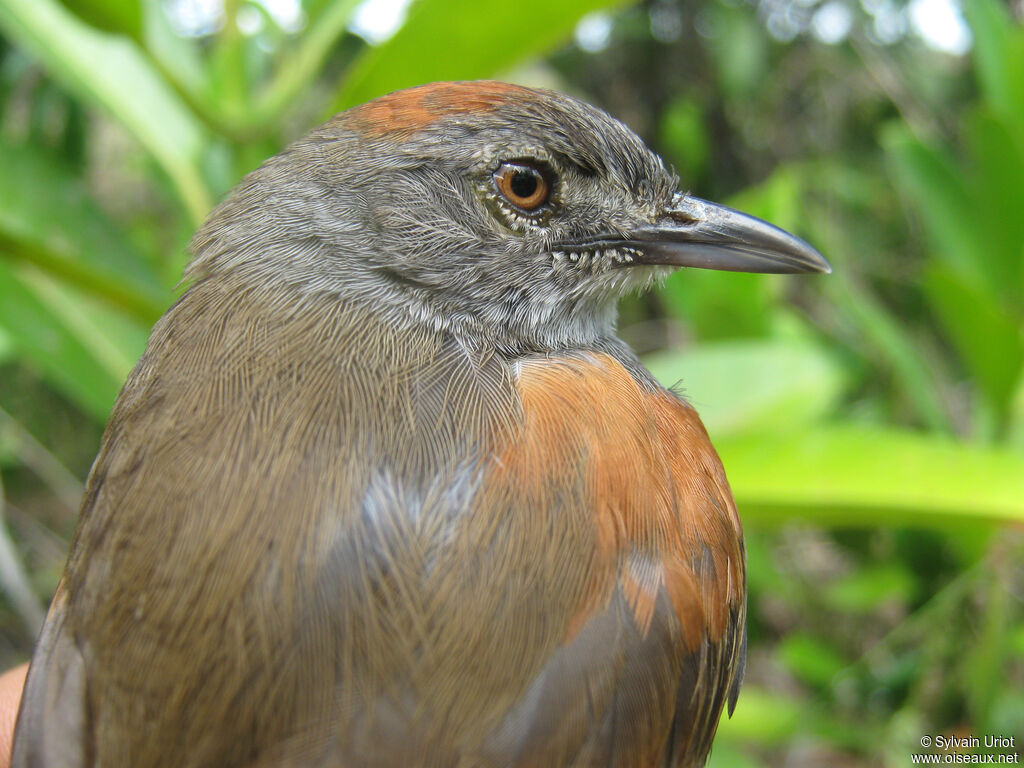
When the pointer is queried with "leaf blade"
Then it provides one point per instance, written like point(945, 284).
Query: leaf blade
point(527, 28)
point(81, 360)
point(112, 72)
point(849, 475)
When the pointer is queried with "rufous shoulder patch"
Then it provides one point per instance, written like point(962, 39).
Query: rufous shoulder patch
point(653, 487)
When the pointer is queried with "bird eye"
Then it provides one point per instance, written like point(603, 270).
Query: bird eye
point(522, 185)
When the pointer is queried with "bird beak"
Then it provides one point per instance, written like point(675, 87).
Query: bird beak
point(697, 233)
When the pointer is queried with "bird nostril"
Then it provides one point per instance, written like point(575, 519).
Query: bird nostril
point(681, 217)
point(683, 209)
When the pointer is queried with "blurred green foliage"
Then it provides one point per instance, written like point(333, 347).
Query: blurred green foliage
point(871, 422)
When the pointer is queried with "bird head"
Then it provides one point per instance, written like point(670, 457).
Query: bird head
point(506, 215)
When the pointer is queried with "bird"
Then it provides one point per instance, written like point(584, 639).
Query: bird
point(387, 489)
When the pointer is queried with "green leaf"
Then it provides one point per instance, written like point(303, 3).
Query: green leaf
point(83, 350)
point(989, 342)
point(976, 280)
point(856, 476)
point(996, 169)
point(462, 40)
point(48, 218)
point(940, 193)
point(889, 344)
point(120, 17)
point(998, 54)
point(111, 72)
point(753, 385)
point(177, 57)
point(970, 215)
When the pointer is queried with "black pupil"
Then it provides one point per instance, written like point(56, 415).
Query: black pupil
point(523, 183)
